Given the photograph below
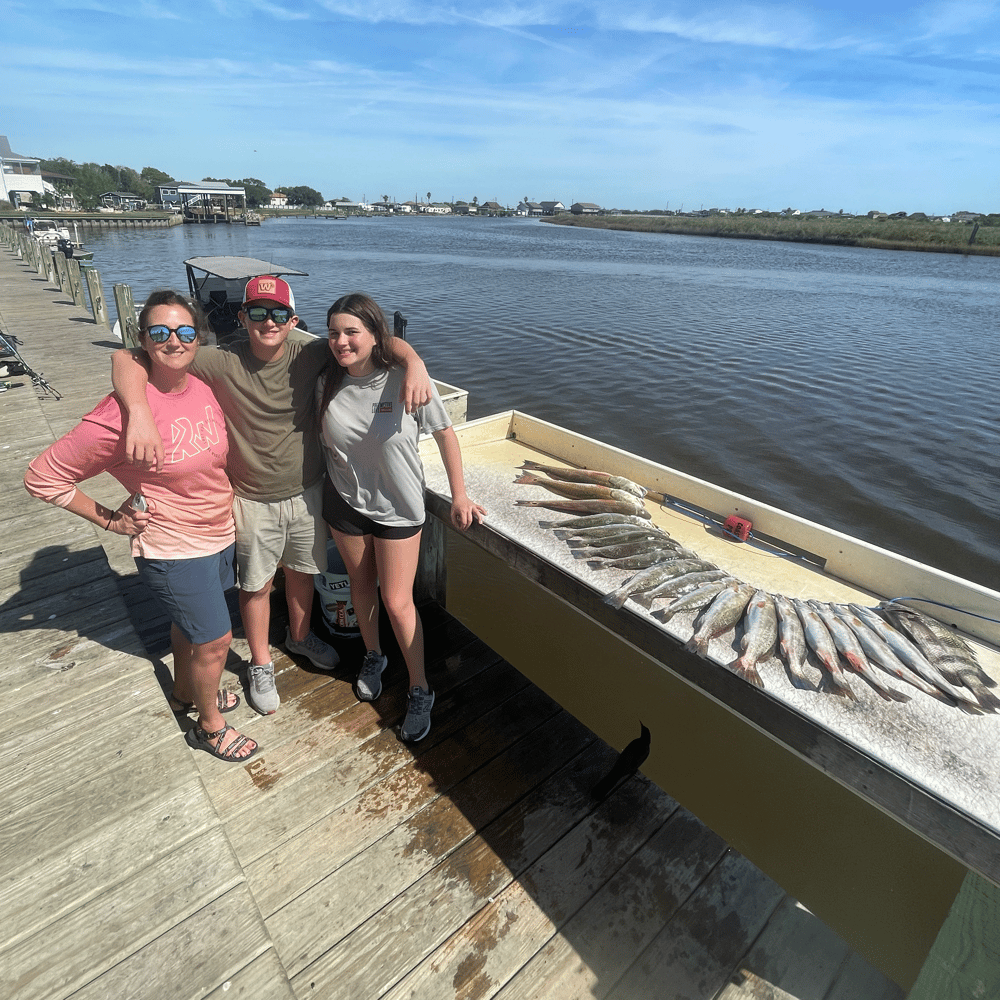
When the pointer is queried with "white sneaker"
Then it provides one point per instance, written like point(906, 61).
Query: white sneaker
point(262, 694)
point(322, 654)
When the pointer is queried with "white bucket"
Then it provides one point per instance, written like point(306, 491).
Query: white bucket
point(334, 589)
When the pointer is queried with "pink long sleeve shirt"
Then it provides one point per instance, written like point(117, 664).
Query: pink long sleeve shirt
point(192, 495)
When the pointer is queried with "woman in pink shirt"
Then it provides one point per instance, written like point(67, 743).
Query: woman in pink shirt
point(183, 542)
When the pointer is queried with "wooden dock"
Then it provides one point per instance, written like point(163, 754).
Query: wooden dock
point(338, 862)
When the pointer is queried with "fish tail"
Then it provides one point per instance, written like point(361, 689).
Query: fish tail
point(987, 699)
point(697, 645)
point(967, 707)
point(748, 671)
point(616, 599)
point(840, 688)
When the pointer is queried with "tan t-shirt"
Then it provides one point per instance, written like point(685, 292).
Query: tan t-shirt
point(270, 410)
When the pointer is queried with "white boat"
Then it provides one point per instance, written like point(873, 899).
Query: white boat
point(48, 234)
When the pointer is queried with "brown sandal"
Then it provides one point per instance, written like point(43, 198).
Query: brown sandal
point(200, 739)
point(221, 701)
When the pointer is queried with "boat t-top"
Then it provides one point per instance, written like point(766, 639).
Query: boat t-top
point(218, 283)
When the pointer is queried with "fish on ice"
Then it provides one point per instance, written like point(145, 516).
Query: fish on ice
point(587, 476)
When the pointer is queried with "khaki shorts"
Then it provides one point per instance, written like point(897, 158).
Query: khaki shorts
point(290, 532)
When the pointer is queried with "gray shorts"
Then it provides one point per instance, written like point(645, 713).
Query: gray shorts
point(290, 532)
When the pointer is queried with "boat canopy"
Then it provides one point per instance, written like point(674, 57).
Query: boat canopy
point(231, 268)
point(220, 283)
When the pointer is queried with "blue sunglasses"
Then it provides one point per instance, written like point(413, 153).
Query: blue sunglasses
point(161, 334)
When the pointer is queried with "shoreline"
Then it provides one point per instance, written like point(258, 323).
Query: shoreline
point(798, 231)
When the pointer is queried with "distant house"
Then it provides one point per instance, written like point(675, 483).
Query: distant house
point(345, 205)
point(551, 207)
point(529, 208)
point(123, 201)
point(822, 213)
point(965, 216)
point(491, 208)
point(437, 209)
point(464, 208)
point(279, 200)
point(585, 208)
point(21, 181)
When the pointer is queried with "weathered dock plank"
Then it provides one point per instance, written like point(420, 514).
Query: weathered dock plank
point(600, 942)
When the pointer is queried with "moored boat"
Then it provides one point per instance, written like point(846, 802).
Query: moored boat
point(217, 283)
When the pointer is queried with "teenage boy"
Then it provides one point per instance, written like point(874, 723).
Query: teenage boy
point(266, 387)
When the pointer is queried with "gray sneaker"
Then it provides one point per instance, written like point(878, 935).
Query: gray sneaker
point(417, 723)
point(262, 694)
point(322, 654)
point(368, 686)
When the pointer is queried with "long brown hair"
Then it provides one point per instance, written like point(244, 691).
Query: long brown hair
point(366, 309)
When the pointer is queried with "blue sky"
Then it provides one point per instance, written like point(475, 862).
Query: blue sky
point(854, 106)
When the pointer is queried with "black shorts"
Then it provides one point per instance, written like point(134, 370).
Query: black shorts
point(342, 517)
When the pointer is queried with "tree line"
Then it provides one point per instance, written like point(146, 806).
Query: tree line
point(88, 181)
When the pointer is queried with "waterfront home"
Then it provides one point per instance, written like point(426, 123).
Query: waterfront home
point(122, 201)
point(437, 209)
point(279, 200)
point(21, 181)
point(464, 208)
point(585, 208)
point(551, 207)
point(211, 197)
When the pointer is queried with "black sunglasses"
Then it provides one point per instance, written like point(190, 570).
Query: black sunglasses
point(279, 314)
point(161, 334)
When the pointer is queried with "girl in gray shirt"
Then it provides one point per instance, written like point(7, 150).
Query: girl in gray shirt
point(374, 496)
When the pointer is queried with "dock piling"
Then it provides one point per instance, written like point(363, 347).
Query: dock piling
point(98, 303)
point(126, 315)
point(76, 282)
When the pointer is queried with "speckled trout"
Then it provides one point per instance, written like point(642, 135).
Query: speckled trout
point(590, 506)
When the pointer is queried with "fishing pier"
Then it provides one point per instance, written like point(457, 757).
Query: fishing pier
point(340, 862)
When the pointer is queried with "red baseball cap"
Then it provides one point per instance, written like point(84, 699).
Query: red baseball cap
point(266, 286)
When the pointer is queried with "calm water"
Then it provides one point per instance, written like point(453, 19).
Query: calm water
point(856, 388)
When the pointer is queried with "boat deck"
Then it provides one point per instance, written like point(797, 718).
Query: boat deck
point(338, 862)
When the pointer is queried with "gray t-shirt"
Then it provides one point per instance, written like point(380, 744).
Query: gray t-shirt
point(370, 442)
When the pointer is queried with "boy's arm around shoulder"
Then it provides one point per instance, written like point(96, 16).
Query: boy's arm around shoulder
point(130, 376)
point(416, 391)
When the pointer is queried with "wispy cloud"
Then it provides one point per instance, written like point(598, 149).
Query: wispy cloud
point(729, 103)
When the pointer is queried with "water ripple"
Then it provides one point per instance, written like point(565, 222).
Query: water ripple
point(852, 387)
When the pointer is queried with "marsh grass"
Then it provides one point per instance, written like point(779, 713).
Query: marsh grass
point(887, 234)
